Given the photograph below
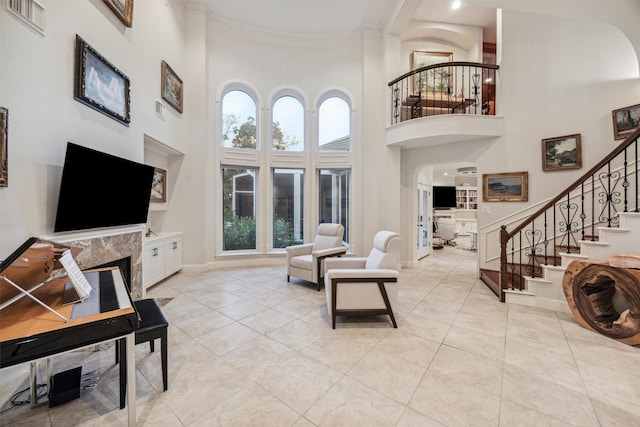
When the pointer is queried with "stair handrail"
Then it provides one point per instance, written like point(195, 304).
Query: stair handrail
point(506, 236)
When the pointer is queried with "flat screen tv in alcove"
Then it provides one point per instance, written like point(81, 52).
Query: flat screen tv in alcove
point(444, 197)
point(101, 190)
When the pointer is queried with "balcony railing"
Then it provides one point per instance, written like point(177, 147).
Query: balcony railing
point(446, 88)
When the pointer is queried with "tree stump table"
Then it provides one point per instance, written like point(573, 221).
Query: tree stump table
point(604, 299)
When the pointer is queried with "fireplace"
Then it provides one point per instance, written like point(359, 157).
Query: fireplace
point(124, 264)
point(123, 250)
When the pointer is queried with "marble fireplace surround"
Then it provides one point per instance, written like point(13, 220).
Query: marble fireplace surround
point(103, 247)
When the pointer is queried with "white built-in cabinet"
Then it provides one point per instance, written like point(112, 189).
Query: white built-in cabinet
point(161, 257)
point(467, 197)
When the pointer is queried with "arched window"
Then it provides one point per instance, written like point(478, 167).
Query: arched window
point(334, 125)
point(288, 124)
point(239, 120)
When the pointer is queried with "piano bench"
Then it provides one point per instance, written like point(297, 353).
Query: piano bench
point(153, 325)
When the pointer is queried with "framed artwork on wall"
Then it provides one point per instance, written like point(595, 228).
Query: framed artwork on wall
point(435, 80)
point(100, 85)
point(123, 9)
point(171, 87)
point(505, 187)
point(159, 186)
point(625, 121)
point(4, 138)
point(562, 152)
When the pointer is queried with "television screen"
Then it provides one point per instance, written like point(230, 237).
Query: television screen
point(101, 190)
point(444, 197)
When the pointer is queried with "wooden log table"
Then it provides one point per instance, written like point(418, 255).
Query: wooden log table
point(604, 299)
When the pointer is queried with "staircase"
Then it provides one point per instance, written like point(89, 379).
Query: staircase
point(546, 291)
point(593, 218)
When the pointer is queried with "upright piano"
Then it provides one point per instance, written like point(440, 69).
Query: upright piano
point(36, 323)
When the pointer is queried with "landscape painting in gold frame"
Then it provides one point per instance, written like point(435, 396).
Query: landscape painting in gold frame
point(505, 187)
point(562, 152)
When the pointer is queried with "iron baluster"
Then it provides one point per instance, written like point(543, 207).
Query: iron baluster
point(583, 216)
point(625, 182)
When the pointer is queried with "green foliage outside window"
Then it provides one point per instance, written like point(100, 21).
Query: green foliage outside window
point(283, 234)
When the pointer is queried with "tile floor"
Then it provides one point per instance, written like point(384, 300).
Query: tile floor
point(249, 349)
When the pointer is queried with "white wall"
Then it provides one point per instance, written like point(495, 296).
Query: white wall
point(558, 76)
point(37, 74)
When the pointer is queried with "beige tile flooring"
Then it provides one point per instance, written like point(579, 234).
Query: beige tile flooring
point(249, 349)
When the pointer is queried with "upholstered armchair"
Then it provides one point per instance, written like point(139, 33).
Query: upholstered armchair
point(365, 286)
point(306, 261)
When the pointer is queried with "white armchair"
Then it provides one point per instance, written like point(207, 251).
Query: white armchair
point(447, 231)
point(306, 261)
point(365, 286)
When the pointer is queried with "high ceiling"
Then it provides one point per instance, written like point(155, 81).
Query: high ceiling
point(344, 16)
point(340, 16)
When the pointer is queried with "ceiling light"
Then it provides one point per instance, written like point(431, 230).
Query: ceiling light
point(456, 5)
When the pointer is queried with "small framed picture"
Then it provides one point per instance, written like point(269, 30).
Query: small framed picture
point(123, 9)
point(4, 138)
point(625, 121)
point(100, 85)
point(159, 186)
point(505, 187)
point(562, 152)
point(171, 87)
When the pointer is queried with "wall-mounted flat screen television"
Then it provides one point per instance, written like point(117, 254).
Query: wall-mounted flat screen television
point(101, 190)
point(444, 197)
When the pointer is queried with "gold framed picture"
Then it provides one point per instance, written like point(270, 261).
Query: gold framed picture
point(625, 121)
point(505, 187)
point(159, 186)
point(432, 80)
point(123, 9)
point(171, 87)
point(562, 152)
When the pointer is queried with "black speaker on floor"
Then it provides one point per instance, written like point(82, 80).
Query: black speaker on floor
point(65, 386)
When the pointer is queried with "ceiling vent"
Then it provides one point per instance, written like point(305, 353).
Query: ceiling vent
point(30, 12)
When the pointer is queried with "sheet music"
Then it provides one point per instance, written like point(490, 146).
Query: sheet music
point(79, 281)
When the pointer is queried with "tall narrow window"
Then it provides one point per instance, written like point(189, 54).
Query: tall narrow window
point(334, 197)
point(288, 124)
point(334, 125)
point(239, 120)
point(239, 208)
point(288, 205)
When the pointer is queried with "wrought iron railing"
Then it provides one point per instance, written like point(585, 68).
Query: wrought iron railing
point(592, 201)
point(446, 88)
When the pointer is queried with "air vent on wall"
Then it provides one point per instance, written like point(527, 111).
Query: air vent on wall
point(160, 109)
point(30, 12)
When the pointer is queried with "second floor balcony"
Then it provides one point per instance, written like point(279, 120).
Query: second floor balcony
point(444, 103)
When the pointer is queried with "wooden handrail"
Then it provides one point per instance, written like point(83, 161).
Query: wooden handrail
point(443, 65)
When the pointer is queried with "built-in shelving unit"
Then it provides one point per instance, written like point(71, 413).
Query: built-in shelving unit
point(467, 197)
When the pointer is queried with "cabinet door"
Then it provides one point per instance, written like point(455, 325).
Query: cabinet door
point(173, 255)
point(153, 264)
